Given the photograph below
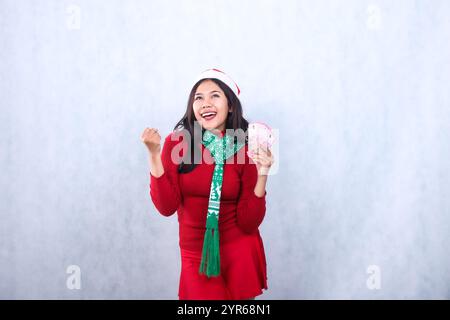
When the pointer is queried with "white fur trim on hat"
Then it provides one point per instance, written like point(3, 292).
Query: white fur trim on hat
point(222, 76)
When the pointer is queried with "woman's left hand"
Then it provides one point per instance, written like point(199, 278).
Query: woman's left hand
point(263, 158)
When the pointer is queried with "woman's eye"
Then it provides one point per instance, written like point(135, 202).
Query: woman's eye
point(216, 96)
point(197, 98)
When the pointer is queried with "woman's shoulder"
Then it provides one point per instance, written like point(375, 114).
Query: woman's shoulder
point(175, 136)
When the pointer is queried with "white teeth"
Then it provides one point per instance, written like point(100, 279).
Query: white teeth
point(208, 114)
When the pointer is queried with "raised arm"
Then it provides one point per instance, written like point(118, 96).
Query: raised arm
point(251, 208)
point(164, 188)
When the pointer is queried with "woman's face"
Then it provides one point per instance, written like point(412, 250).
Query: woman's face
point(210, 106)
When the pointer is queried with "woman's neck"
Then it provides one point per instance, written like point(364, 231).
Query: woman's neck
point(217, 132)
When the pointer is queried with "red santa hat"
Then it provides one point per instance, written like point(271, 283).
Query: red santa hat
point(222, 76)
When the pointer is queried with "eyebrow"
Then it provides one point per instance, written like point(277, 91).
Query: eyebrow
point(209, 92)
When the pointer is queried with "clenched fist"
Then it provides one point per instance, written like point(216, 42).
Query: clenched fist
point(151, 138)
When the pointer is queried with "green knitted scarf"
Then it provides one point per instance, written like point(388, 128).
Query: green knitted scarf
point(221, 149)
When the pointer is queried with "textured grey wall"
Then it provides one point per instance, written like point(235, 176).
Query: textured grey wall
point(358, 90)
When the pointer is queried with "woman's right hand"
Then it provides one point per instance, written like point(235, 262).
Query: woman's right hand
point(151, 138)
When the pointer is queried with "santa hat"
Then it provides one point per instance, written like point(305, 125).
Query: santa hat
point(222, 76)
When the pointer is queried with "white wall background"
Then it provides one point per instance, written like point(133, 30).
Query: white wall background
point(358, 89)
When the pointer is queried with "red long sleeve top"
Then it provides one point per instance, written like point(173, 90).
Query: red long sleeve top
point(241, 211)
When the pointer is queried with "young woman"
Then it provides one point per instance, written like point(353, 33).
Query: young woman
point(218, 190)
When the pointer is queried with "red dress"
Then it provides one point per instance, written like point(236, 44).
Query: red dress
point(242, 260)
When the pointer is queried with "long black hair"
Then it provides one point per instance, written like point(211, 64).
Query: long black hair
point(235, 120)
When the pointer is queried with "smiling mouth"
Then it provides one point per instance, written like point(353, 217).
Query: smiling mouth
point(209, 115)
